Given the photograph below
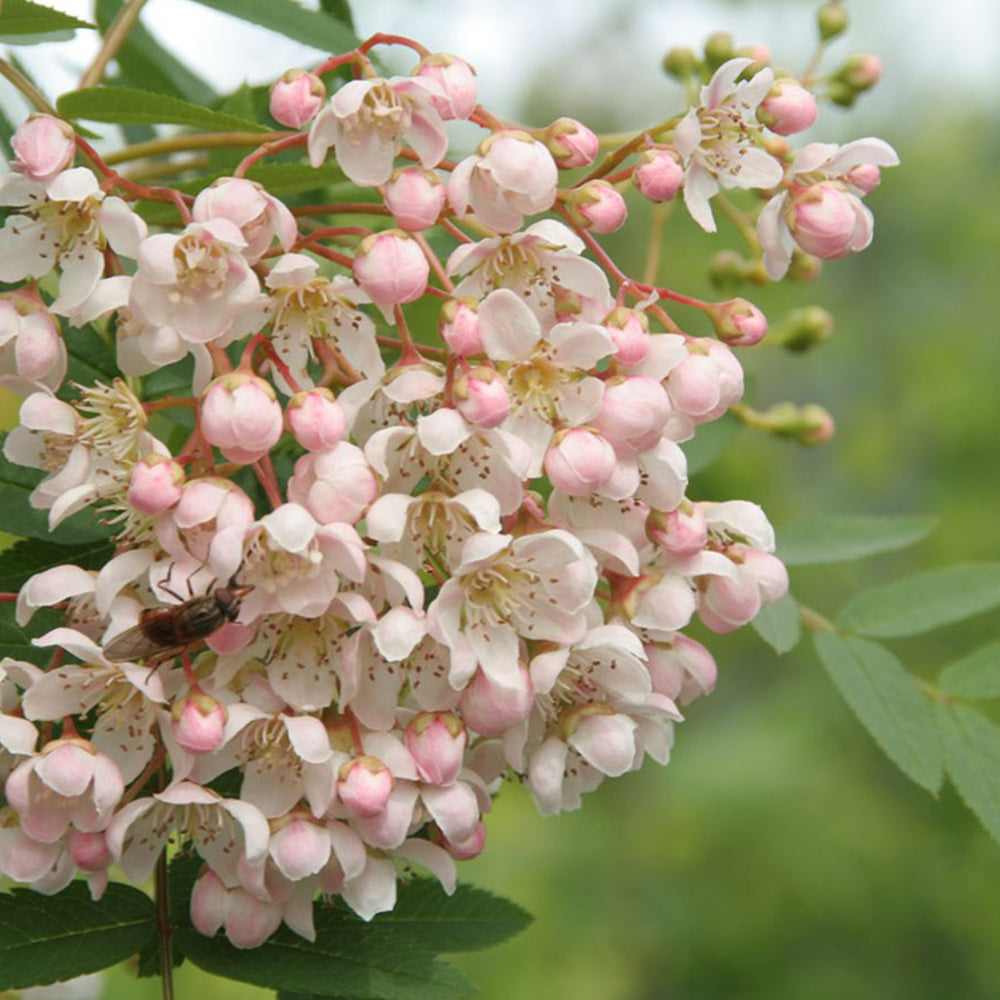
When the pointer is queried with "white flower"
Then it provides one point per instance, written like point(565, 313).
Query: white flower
point(716, 140)
point(536, 587)
point(367, 122)
point(816, 165)
point(65, 222)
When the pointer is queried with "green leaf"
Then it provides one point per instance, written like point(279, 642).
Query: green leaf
point(44, 939)
point(778, 624)
point(974, 676)
point(142, 60)
point(348, 959)
point(709, 443)
point(339, 9)
point(884, 697)
point(313, 28)
point(15, 641)
point(20, 518)
point(91, 359)
point(128, 106)
point(32, 556)
point(25, 19)
point(470, 919)
point(819, 541)
point(924, 601)
point(972, 753)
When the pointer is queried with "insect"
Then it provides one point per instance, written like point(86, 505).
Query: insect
point(163, 633)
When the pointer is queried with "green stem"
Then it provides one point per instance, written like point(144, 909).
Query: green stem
point(163, 929)
point(813, 620)
point(117, 33)
point(35, 97)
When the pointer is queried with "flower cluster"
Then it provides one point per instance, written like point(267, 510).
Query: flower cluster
point(363, 570)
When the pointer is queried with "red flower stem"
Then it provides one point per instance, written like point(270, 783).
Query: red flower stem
point(382, 39)
point(264, 472)
point(268, 149)
point(434, 261)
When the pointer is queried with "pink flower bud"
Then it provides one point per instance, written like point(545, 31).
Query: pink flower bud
point(481, 397)
point(43, 146)
point(769, 572)
point(658, 174)
point(296, 98)
point(459, 326)
point(818, 426)
point(602, 736)
point(457, 80)
point(415, 197)
point(391, 268)
point(316, 419)
point(198, 722)
point(89, 851)
point(571, 143)
point(861, 71)
point(490, 709)
point(241, 417)
point(208, 903)
point(437, 742)
point(364, 785)
point(156, 484)
point(598, 206)
point(633, 411)
point(865, 177)
point(682, 670)
point(827, 221)
point(579, 461)
point(30, 342)
point(706, 383)
point(683, 533)
point(739, 322)
point(471, 847)
point(335, 485)
point(788, 108)
point(629, 329)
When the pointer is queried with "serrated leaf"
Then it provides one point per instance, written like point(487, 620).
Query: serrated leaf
point(883, 696)
point(141, 59)
point(45, 939)
point(779, 625)
point(313, 28)
point(833, 538)
point(21, 17)
point(128, 106)
point(972, 752)
point(924, 601)
point(709, 443)
point(348, 959)
point(31, 556)
point(974, 676)
point(468, 920)
point(15, 641)
point(20, 518)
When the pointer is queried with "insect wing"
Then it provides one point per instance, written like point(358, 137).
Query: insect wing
point(142, 640)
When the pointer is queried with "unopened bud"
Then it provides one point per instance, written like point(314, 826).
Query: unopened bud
point(155, 484)
point(681, 62)
point(832, 20)
point(658, 174)
point(296, 98)
point(437, 741)
point(842, 94)
point(198, 722)
point(861, 71)
point(804, 266)
point(415, 197)
point(788, 108)
point(391, 268)
point(718, 49)
point(682, 533)
point(804, 328)
point(597, 206)
point(629, 329)
point(738, 322)
point(481, 397)
point(240, 415)
point(459, 326)
point(727, 270)
point(490, 709)
point(457, 80)
point(316, 419)
point(364, 785)
point(579, 461)
point(571, 143)
point(43, 146)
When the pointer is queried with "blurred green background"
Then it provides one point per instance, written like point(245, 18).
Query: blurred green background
point(780, 856)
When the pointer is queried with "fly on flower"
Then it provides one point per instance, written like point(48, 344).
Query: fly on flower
point(165, 632)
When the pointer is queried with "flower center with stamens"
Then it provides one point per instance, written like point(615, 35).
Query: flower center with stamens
point(202, 267)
